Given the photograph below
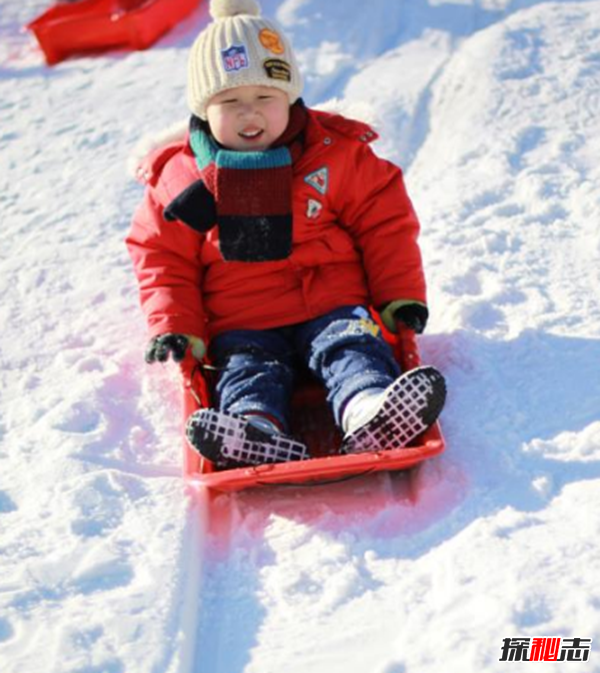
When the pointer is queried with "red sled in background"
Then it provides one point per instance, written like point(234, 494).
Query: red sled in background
point(93, 25)
point(313, 424)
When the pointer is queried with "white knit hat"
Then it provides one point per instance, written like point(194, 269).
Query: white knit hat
point(240, 48)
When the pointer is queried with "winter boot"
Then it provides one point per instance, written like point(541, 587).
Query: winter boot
point(392, 418)
point(232, 440)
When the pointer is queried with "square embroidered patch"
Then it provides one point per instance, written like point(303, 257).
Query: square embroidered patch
point(235, 58)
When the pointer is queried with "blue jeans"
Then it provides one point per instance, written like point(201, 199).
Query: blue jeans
point(343, 349)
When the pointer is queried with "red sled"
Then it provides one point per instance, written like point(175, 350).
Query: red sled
point(313, 424)
point(95, 25)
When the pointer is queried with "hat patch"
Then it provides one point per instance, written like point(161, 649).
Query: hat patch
point(235, 58)
point(319, 179)
point(271, 41)
point(276, 68)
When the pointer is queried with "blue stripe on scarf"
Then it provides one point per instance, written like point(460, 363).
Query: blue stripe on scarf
point(254, 160)
point(207, 151)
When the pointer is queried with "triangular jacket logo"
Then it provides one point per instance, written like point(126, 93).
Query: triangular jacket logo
point(319, 179)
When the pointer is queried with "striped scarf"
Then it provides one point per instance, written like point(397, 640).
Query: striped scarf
point(248, 195)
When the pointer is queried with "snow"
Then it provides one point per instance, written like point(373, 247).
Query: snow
point(108, 562)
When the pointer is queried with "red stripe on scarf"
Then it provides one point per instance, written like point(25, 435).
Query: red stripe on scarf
point(264, 192)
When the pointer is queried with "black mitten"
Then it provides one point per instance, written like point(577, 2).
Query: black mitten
point(160, 347)
point(414, 316)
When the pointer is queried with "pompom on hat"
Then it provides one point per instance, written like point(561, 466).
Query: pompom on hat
point(240, 48)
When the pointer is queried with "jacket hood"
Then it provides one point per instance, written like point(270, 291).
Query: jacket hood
point(151, 145)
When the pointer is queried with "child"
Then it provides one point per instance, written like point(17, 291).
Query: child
point(266, 232)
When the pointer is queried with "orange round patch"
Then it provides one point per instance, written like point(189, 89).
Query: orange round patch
point(270, 40)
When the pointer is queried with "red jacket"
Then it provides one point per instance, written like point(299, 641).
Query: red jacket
point(354, 242)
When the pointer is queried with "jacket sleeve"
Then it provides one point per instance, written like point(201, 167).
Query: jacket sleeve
point(166, 259)
point(381, 219)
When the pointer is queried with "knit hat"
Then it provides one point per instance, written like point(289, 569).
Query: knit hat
point(239, 48)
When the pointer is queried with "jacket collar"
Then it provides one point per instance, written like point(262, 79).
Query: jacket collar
point(328, 125)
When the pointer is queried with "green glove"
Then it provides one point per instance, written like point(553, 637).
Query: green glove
point(412, 313)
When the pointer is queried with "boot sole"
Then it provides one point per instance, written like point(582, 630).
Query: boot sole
point(229, 440)
point(411, 405)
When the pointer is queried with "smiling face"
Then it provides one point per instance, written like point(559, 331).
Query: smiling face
point(248, 118)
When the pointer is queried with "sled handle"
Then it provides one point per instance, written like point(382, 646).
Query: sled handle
point(407, 350)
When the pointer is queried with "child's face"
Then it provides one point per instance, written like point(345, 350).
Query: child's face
point(248, 118)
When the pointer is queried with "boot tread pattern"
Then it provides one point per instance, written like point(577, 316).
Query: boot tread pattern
point(228, 438)
point(411, 405)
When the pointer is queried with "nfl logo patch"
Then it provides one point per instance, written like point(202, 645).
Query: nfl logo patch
point(235, 58)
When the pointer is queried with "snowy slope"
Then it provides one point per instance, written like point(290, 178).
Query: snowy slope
point(492, 107)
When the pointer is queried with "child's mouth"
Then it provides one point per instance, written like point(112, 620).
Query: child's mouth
point(251, 134)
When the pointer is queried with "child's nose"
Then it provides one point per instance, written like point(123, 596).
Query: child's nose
point(247, 109)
